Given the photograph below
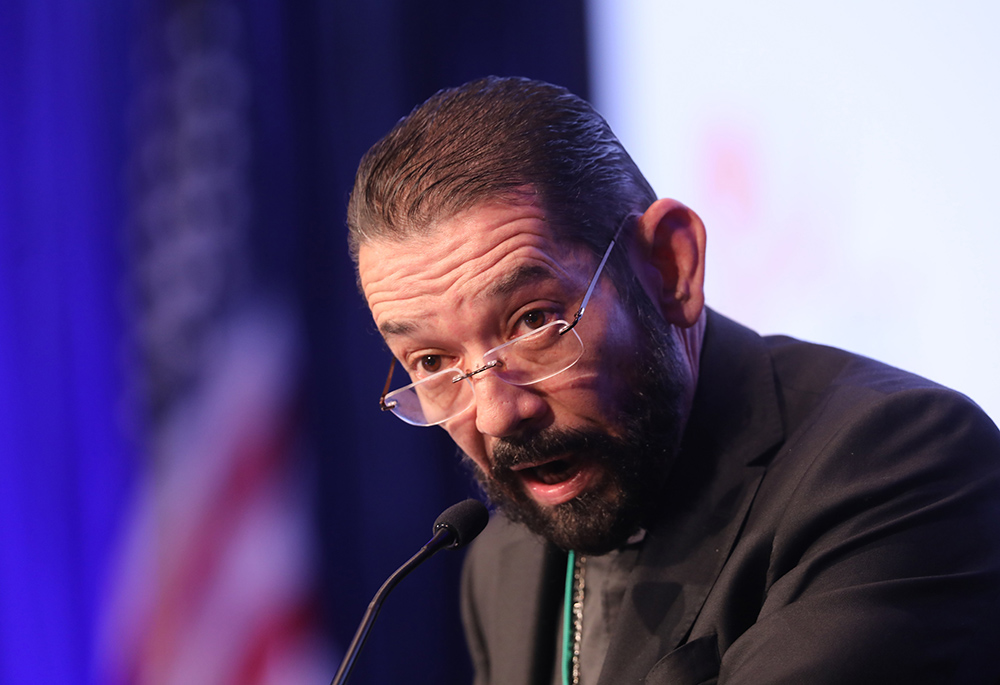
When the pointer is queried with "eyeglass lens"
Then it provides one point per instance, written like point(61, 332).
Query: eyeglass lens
point(529, 359)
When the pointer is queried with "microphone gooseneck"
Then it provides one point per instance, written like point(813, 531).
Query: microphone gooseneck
point(456, 527)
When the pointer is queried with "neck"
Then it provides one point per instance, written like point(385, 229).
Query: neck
point(690, 341)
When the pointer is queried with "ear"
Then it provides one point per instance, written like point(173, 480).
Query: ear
point(670, 255)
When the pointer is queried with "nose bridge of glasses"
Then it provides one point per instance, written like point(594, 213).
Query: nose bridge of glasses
point(499, 356)
point(475, 372)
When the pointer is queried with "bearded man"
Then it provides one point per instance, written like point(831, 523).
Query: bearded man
point(679, 499)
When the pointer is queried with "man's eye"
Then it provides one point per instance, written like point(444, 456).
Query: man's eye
point(533, 319)
point(429, 363)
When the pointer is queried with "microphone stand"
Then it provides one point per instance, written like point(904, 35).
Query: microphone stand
point(443, 537)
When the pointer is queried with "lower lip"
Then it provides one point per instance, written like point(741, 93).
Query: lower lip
point(564, 491)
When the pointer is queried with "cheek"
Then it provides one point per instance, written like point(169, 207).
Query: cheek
point(614, 358)
point(463, 431)
point(591, 393)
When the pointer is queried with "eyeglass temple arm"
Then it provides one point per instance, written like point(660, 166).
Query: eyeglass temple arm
point(593, 281)
point(383, 405)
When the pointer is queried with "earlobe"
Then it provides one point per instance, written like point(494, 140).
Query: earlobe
point(671, 241)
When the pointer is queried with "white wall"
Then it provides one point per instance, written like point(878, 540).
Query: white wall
point(844, 156)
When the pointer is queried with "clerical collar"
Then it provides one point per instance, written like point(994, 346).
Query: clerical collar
point(576, 570)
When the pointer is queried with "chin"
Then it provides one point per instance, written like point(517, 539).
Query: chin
point(595, 522)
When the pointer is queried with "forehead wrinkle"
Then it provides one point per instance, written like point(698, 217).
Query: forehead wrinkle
point(535, 270)
point(453, 268)
point(502, 263)
point(409, 282)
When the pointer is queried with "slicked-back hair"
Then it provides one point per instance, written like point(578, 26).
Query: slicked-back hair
point(498, 139)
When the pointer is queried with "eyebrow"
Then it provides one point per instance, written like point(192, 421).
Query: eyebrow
point(391, 328)
point(520, 277)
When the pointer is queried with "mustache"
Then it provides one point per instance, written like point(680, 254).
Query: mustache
point(516, 451)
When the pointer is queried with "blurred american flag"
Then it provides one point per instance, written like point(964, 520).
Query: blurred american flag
point(215, 582)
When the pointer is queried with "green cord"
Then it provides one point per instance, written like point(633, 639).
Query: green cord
point(567, 660)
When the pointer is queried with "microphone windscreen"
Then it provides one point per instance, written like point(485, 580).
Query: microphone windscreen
point(465, 520)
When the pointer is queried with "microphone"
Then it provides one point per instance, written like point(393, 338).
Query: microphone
point(456, 527)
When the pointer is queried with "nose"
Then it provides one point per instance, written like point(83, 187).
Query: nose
point(502, 409)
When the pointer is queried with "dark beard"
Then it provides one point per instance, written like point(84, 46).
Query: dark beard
point(635, 463)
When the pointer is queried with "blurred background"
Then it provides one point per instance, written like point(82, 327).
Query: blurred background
point(196, 484)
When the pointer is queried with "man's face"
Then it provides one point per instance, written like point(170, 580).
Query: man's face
point(577, 457)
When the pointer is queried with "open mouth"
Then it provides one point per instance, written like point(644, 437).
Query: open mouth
point(557, 481)
point(551, 472)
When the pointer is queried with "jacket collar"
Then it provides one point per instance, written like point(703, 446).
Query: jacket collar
point(734, 428)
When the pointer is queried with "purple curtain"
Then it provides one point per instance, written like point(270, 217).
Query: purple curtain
point(66, 462)
point(85, 383)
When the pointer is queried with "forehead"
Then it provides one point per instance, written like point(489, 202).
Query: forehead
point(485, 252)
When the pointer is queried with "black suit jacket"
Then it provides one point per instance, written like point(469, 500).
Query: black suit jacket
point(829, 519)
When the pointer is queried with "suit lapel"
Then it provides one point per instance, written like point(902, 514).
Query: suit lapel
point(735, 425)
point(531, 586)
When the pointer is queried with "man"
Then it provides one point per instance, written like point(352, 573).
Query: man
point(682, 500)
